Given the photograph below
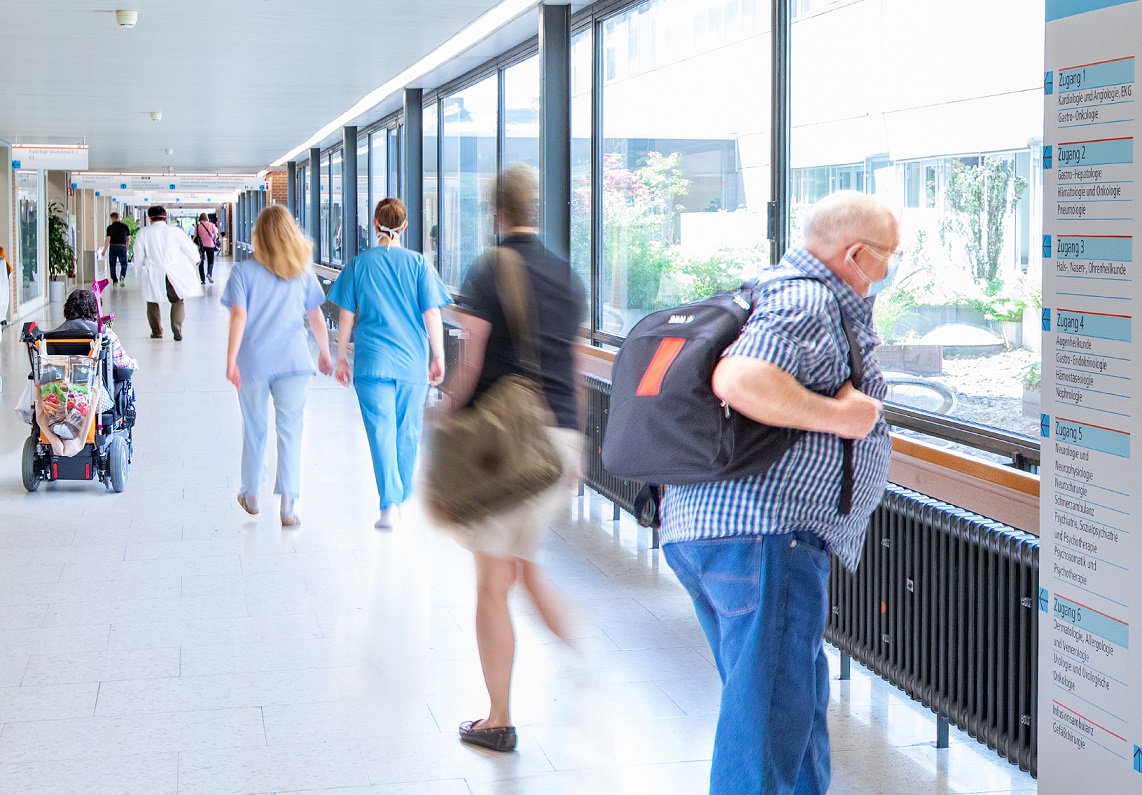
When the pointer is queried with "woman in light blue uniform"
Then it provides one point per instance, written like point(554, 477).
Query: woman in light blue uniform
point(391, 298)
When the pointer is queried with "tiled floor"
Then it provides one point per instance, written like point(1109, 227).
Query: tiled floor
point(162, 641)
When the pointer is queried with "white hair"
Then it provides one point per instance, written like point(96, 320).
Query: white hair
point(842, 218)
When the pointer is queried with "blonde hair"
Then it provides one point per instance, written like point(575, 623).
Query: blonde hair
point(516, 195)
point(279, 245)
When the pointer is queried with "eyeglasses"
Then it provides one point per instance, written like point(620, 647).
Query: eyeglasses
point(892, 259)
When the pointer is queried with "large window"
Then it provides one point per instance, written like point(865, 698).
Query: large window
point(468, 171)
point(521, 113)
point(956, 154)
point(363, 212)
point(685, 150)
point(335, 221)
point(378, 174)
point(28, 197)
point(431, 188)
point(582, 59)
point(326, 248)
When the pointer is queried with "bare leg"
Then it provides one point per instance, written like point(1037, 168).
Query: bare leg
point(552, 607)
point(494, 635)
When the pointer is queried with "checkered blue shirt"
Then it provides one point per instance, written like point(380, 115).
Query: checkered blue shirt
point(796, 325)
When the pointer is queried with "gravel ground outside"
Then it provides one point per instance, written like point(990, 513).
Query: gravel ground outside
point(989, 390)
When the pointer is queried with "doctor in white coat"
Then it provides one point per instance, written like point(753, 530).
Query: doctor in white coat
point(168, 263)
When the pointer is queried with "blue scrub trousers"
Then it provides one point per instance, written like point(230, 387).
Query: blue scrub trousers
point(763, 602)
point(289, 408)
point(392, 411)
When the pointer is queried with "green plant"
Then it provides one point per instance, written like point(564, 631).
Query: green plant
point(1032, 377)
point(61, 255)
point(978, 200)
point(133, 225)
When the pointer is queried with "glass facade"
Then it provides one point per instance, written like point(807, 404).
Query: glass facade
point(521, 113)
point(468, 171)
point(363, 213)
point(335, 228)
point(326, 248)
point(378, 175)
point(671, 171)
point(956, 154)
point(684, 193)
point(431, 157)
point(28, 188)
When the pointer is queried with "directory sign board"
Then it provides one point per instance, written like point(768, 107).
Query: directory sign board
point(1090, 573)
point(48, 158)
point(171, 183)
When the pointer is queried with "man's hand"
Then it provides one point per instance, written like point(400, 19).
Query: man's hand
point(857, 413)
point(343, 375)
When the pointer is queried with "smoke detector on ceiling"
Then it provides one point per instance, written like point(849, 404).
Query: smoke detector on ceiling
point(126, 19)
point(156, 115)
point(169, 151)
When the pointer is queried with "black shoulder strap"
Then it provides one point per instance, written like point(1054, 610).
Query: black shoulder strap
point(856, 376)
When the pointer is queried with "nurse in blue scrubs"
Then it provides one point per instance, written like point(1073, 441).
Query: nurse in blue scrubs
point(391, 298)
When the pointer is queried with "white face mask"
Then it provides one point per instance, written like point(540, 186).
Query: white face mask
point(878, 285)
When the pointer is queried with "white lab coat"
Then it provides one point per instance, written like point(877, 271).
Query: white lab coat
point(166, 252)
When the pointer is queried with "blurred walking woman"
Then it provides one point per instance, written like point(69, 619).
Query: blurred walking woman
point(506, 546)
point(268, 354)
point(391, 299)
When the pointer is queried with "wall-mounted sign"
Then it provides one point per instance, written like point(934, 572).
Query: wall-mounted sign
point(49, 158)
point(167, 183)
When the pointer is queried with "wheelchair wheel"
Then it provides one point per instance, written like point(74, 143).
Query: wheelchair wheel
point(29, 470)
point(118, 464)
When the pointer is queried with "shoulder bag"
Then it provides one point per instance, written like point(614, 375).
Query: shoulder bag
point(495, 454)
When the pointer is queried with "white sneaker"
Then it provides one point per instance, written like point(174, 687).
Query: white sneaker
point(388, 517)
point(249, 503)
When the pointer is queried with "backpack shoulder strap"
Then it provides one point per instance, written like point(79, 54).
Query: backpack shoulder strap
point(512, 286)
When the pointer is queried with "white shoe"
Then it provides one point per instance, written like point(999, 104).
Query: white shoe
point(388, 517)
point(288, 515)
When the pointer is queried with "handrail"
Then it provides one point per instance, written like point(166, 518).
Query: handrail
point(980, 437)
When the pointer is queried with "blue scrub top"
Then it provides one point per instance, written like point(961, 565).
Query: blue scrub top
point(389, 290)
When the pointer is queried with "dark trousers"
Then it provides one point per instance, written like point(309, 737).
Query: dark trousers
point(178, 313)
point(117, 254)
point(207, 259)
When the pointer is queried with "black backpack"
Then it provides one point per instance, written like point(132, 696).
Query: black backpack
point(667, 427)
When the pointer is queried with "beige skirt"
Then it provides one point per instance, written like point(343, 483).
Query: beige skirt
point(516, 534)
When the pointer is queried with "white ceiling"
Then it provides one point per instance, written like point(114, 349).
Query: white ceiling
point(239, 83)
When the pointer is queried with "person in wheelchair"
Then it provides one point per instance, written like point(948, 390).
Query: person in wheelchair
point(81, 313)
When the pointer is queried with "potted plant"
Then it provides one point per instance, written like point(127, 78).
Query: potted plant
point(61, 254)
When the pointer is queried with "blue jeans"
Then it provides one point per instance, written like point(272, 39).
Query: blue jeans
point(117, 254)
point(763, 602)
point(392, 411)
point(289, 408)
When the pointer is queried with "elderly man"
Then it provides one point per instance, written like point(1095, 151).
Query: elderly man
point(754, 553)
point(167, 260)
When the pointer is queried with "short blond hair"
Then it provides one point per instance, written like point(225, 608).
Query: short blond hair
point(279, 245)
point(845, 217)
point(516, 195)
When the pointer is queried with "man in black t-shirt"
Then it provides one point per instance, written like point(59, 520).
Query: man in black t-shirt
point(116, 243)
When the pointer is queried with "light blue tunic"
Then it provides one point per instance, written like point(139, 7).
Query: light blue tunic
point(275, 342)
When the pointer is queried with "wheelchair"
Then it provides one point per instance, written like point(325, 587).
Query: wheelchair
point(62, 361)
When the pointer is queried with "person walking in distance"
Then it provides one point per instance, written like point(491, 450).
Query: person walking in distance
point(166, 260)
point(754, 553)
point(116, 244)
point(268, 352)
point(390, 301)
point(207, 234)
